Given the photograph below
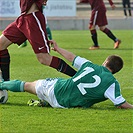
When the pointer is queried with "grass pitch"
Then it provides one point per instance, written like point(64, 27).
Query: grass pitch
point(17, 117)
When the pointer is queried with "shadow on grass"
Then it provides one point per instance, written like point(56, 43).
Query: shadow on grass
point(112, 108)
point(15, 104)
point(24, 105)
point(94, 107)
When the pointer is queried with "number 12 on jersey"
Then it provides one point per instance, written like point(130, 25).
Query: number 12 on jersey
point(82, 86)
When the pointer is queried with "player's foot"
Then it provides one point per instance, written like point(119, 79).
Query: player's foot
point(125, 17)
point(32, 102)
point(22, 45)
point(94, 47)
point(117, 43)
point(39, 103)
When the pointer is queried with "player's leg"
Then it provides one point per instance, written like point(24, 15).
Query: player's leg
point(124, 7)
point(43, 56)
point(13, 85)
point(111, 36)
point(40, 44)
point(93, 37)
point(4, 57)
point(108, 32)
point(56, 63)
point(30, 87)
point(10, 35)
point(61, 66)
point(18, 86)
point(102, 26)
point(92, 28)
point(129, 8)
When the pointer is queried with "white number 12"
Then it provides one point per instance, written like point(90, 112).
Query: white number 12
point(81, 86)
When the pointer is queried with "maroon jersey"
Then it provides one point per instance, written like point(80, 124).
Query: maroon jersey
point(26, 4)
point(98, 4)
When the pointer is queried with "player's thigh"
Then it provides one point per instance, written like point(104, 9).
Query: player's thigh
point(45, 91)
point(13, 34)
point(34, 28)
point(93, 18)
point(102, 28)
point(101, 19)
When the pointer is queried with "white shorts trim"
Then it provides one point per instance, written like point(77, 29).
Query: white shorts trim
point(45, 91)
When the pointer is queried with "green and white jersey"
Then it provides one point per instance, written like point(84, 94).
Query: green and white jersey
point(91, 84)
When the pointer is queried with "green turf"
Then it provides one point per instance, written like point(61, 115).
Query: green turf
point(17, 117)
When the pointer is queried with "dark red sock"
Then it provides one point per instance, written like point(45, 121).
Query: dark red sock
point(5, 64)
point(94, 37)
point(62, 66)
point(109, 34)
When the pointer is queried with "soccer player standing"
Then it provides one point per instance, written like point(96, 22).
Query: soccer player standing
point(31, 26)
point(98, 17)
point(126, 6)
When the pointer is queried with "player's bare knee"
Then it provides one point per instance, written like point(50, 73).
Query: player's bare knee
point(44, 58)
point(102, 28)
point(30, 87)
point(42, 61)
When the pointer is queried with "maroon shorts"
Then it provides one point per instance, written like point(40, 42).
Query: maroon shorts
point(32, 27)
point(98, 18)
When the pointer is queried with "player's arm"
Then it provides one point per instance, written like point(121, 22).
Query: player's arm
point(112, 4)
point(113, 93)
point(125, 105)
point(66, 54)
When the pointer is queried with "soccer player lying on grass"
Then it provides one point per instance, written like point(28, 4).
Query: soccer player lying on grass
point(91, 84)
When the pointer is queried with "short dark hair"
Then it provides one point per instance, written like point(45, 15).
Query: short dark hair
point(114, 63)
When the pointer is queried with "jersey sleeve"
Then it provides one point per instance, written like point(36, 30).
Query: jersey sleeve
point(79, 61)
point(113, 93)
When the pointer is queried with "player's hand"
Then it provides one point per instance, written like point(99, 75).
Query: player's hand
point(113, 6)
point(54, 45)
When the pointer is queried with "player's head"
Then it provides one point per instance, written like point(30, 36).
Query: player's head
point(114, 63)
